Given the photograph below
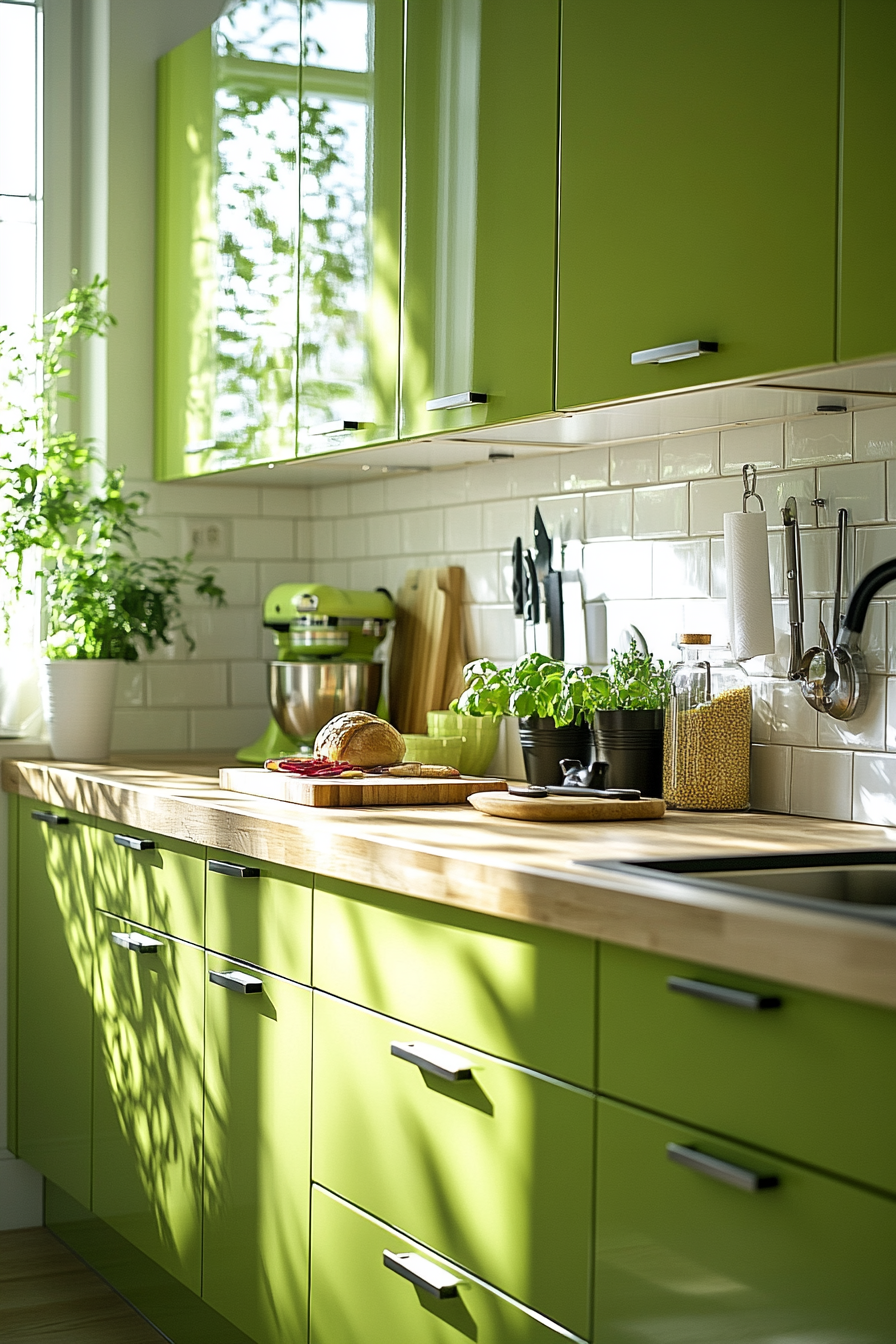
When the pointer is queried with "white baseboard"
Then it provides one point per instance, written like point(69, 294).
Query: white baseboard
point(21, 1194)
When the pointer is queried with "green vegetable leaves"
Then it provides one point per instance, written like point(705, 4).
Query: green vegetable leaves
point(634, 680)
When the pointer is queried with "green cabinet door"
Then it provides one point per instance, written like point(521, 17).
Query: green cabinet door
point(480, 211)
point(259, 912)
point(683, 1255)
point(54, 1011)
point(257, 1151)
point(492, 1168)
point(349, 256)
point(227, 272)
point(147, 1135)
point(359, 1290)
point(698, 191)
point(867, 309)
point(149, 879)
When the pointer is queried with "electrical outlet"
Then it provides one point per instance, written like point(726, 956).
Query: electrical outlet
point(206, 538)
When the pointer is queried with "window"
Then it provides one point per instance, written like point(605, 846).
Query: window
point(20, 178)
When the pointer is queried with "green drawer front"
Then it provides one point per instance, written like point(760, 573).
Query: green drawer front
point(683, 1257)
point(814, 1079)
point(354, 1297)
point(493, 1170)
point(265, 920)
point(524, 993)
point(162, 887)
point(54, 1002)
point(257, 1155)
point(147, 1135)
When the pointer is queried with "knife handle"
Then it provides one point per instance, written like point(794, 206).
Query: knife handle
point(534, 612)
point(518, 588)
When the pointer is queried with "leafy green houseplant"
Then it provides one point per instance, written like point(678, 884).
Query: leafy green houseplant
point(630, 700)
point(69, 535)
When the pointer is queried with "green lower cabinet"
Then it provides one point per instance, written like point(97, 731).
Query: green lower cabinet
point(54, 1009)
point(150, 879)
point(257, 1151)
point(148, 1110)
point(493, 1169)
point(259, 912)
point(355, 1296)
point(684, 1256)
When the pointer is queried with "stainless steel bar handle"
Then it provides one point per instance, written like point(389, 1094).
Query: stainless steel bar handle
point(50, 818)
point(236, 981)
point(442, 1063)
point(671, 354)
point(133, 842)
point(422, 1273)
point(742, 1178)
point(842, 540)
point(232, 869)
point(457, 400)
point(335, 427)
point(733, 998)
point(137, 942)
point(793, 567)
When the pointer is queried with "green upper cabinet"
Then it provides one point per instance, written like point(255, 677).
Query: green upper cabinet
point(698, 191)
point(868, 167)
point(228, 223)
point(480, 136)
point(349, 258)
point(55, 983)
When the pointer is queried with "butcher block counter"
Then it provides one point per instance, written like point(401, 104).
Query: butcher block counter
point(521, 871)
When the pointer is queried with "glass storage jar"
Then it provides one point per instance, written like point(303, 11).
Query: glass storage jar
point(706, 758)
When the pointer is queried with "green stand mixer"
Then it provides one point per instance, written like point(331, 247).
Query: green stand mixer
point(326, 638)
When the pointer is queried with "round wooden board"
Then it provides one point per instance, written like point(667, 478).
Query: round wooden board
point(566, 809)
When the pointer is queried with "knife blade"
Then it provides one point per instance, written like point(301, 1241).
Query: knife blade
point(542, 546)
point(533, 609)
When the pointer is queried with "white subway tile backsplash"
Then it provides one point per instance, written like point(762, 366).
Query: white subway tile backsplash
point(821, 439)
point(503, 520)
point(873, 546)
point(874, 433)
point(776, 575)
point(891, 714)
point(482, 573)
point(634, 463)
point(530, 476)
point(367, 496)
point(779, 486)
point(129, 692)
point(271, 573)
point(891, 491)
point(874, 789)
point(660, 623)
point(183, 685)
point(661, 511)
point(350, 538)
point(563, 516)
point(608, 514)
point(331, 501)
point(383, 534)
point(859, 488)
point(367, 574)
point(819, 555)
point(404, 493)
point(781, 715)
point(495, 632)
point(874, 637)
point(821, 784)
point(285, 502)
point(219, 728)
point(770, 778)
point(304, 545)
point(706, 616)
point(422, 530)
point(249, 683)
point(263, 539)
point(866, 731)
point(323, 539)
point(763, 445)
point(226, 632)
point(688, 456)
point(617, 569)
point(681, 569)
point(203, 499)
point(151, 730)
point(463, 528)
point(588, 469)
point(451, 487)
point(710, 501)
point(718, 570)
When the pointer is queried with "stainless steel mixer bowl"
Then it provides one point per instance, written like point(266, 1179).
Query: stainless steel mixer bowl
point(305, 696)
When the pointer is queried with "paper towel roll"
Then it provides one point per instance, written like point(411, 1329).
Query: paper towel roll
point(750, 622)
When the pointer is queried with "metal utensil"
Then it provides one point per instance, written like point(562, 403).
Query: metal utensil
point(576, 791)
point(305, 696)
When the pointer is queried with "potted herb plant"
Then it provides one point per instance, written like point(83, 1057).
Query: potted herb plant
point(630, 700)
point(68, 538)
point(553, 702)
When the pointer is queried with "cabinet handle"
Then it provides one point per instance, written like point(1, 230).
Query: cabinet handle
point(131, 842)
point(452, 1068)
point(457, 400)
point(137, 942)
point(236, 981)
point(232, 869)
point(335, 427)
point(727, 1172)
point(734, 998)
point(670, 354)
point(422, 1273)
point(50, 818)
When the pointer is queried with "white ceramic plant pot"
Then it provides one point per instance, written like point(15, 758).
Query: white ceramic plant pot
point(79, 697)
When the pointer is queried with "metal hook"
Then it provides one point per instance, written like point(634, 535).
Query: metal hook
point(749, 474)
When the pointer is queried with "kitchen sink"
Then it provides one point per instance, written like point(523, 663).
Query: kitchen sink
point(860, 884)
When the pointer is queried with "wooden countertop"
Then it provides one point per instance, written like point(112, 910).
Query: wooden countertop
point(523, 871)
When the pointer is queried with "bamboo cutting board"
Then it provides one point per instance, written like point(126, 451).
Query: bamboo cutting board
point(568, 809)
point(378, 791)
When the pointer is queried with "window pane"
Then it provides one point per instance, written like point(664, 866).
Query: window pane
point(18, 264)
point(18, 107)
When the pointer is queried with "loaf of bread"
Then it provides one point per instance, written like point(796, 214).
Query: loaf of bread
point(360, 739)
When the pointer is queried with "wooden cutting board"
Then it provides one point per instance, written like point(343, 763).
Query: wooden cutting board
point(378, 791)
point(567, 809)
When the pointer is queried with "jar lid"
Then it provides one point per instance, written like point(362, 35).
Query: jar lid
point(695, 639)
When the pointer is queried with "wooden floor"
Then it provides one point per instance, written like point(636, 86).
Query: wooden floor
point(49, 1296)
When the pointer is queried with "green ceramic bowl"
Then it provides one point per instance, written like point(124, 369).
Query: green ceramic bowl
point(433, 750)
point(478, 735)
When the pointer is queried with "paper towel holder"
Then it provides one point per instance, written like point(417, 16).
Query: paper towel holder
point(832, 680)
point(749, 474)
